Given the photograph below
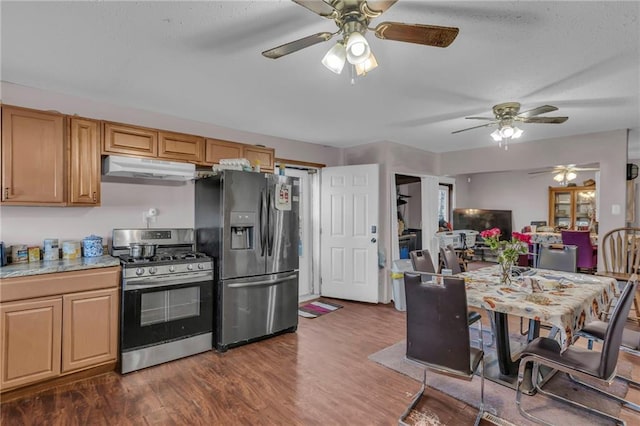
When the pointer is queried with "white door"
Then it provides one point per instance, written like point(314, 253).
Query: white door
point(348, 234)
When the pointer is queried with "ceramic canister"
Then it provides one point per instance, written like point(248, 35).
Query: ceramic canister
point(51, 249)
point(92, 246)
point(70, 250)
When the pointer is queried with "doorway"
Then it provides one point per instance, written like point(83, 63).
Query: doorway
point(309, 230)
point(409, 214)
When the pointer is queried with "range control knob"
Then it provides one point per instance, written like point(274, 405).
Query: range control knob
point(172, 268)
point(200, 266)
point(152, 270)
point(190, 267)
point(139, 271)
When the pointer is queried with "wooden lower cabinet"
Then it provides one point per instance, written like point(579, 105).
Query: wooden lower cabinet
point(30, 341)
point(90, 335)
point(57, 324)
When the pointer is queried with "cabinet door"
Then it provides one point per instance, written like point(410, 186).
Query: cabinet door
point(32, 157)
point(84, 162)
point(30, 341)
point(263, 155)
point(131, 140)
point(585, 208)
point(175, 146)
point(90, 329)
point(215, 150)
point(561, 207)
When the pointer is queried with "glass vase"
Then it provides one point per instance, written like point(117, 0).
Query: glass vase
point(505, 273)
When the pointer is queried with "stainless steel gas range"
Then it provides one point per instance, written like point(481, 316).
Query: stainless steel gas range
point(167, 299)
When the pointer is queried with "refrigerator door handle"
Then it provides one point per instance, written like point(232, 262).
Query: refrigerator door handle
point(262, 282)
point(270, 221)
point(263, 237)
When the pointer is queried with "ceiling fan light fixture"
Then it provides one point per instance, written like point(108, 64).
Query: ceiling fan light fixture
point(496, 135)
point(358, 49)
point(559, 177)
point(369, 64)
point(571, 176)
point(335, 58)
point(517, 132)
point(506, 132)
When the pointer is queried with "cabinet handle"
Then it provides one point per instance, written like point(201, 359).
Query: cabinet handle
point(94, 197)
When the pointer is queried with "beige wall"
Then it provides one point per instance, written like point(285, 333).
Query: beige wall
point(123, 203)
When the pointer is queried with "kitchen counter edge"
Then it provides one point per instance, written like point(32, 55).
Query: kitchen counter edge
point(52, 266)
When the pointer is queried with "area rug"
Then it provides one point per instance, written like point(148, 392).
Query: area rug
point(317, 308)
point(501, 399)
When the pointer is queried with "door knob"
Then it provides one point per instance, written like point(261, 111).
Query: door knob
point(373, 240)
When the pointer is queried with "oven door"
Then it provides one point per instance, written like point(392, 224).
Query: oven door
point(162, 309)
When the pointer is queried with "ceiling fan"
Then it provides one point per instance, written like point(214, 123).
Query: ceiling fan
point(564, 174)
point(352, 18)
point(507, 114)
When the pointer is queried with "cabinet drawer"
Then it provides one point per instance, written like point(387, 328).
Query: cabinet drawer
point(131, 140)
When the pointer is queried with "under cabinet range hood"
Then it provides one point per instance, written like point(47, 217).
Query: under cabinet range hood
point(145, 168)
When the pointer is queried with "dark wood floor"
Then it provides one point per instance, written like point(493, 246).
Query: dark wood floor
point(319, 375)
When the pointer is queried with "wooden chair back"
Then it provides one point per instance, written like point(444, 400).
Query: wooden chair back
point(621, 252)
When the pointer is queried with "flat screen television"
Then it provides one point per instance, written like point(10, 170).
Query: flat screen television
point(479, 220)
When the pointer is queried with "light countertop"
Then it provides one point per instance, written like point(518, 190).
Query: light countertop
point(51, 266)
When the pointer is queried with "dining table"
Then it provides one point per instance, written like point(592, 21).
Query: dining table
point(563, 300)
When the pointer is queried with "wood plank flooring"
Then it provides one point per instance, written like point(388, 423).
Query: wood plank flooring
point(319, 375)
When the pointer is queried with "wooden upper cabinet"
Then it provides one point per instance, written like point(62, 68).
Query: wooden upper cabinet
point(130, 140)
point(33, 170)
point(262, 154)
point(216, 149)
point(84, 162)
point(180, 147)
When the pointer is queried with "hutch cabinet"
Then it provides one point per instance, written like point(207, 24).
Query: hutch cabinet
point(572, 207)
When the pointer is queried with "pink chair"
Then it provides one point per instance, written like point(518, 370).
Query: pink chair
point(587, 252)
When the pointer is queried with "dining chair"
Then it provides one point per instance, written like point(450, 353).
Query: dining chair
point(438, 334)
point(422, 262)
point(562, 258)
point(621, 258)
point(578, 362)
point(450, 259)
point(596, 331)
point(587, 252)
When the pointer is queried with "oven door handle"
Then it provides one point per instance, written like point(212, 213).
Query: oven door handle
point(164, 283)
point(262, 282)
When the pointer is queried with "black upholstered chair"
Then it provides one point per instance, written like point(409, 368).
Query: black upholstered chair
point(450, 259)
point(422, 262)
point(438, 333)
point(563, 258)
point(579, 363)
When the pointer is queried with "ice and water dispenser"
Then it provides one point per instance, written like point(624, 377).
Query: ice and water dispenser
point(242, 227)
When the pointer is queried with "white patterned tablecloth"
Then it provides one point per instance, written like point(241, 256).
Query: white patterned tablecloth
point(568, 301)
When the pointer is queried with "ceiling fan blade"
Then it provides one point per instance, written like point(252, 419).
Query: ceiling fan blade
point(475, 127)
point(481, 118)
point(317, 6)
point(542, 171)
point(375, 8)
point(537, 111)
point(548, 120)
point(296, 45)
point(429, 35)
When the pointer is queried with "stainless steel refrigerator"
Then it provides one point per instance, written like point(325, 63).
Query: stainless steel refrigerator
point(248, 222)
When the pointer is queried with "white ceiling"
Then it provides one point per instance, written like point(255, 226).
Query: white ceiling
point(202, 61)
